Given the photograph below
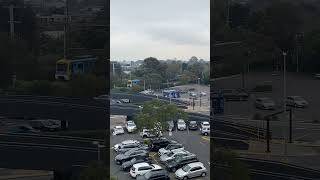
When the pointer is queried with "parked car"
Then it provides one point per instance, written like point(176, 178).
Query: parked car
point(181, 125)
point(179, 162)
point(131, 126)
point(204, 124)
point(317, 76)
point(139, 159)
point(158, 174)
point(169, 148)
point(296, 101)
point(131, 147)
point(125, 143)
point(46, 124)
point(193, 125)
point(205, 130)
point(158, 143)
point(142, 168)
point(234, 94)
point(127, 156)
point(264, 103)
point(173, 154)
point(118, 130)
point(148, 133)
point(23, 128)
point(191, 170)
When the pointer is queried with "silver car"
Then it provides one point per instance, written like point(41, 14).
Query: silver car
point(191, 170)
point(173, 154)
point(265, 103)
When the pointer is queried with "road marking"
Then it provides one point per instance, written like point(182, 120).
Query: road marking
point(206, 138)
point(300, 137)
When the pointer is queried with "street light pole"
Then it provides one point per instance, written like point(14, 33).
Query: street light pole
point(284, 100)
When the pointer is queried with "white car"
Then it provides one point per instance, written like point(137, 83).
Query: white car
point(204, 124)
point(142, 168)
point(131, 126)
point(173, 154)
point(205, 130)
point(191, 170)
point(296, 101)
point(147, 133)
point(118, 130)
point(203, 93)
point(124, 143)
point(169, 148)
point(181, 125)
point(125, 100)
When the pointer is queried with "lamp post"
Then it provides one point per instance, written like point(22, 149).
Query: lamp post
point(284, 100)
point(97, 143)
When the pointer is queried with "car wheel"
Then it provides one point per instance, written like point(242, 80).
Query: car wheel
point(203, 174)
point(144, 136)
point(206, 134)
point(185, 178)
point(173, 169)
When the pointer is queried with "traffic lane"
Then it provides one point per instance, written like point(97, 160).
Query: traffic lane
point(307, 132)
point(19, 156)
point(192, 141)
point(48, 140)
point(302, 85)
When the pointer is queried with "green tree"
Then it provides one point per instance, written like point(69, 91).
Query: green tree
point(155, 112)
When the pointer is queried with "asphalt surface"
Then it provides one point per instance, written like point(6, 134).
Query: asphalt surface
point(81, 114)
point(192, 141)
point(45, 153)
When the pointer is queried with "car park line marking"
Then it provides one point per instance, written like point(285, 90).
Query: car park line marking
point(205, 138)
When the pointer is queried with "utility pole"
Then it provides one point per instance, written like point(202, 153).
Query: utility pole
point(66, 13)
point(12, 35)
point(284, 100)
point(228, 13)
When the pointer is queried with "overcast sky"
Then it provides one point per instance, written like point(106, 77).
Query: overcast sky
point(164, 29)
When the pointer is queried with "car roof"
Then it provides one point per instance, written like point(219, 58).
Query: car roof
point(118, 127)
point(205, 122)
point(129, 141)
point(141, 164)
point(195, 164)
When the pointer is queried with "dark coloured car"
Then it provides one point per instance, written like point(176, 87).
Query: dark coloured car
point(180, 161)
point(158, 143)
point(128, 147)
point(127, 156)
point(139, 159)
point(235, 94)
point(193, 125)
point(158, 174)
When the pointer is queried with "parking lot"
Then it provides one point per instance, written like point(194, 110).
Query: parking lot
point(193, 142)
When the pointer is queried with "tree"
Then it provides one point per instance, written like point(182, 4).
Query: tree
point(157, 112)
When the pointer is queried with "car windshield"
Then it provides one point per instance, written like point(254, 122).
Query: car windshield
point(193, 122)
point(186, 168)
point(131, 124)
point(170, 154)
point(178, 159)
point(118, 128)
point(181, 122)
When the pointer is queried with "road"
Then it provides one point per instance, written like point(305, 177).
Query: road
point(192, 141)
